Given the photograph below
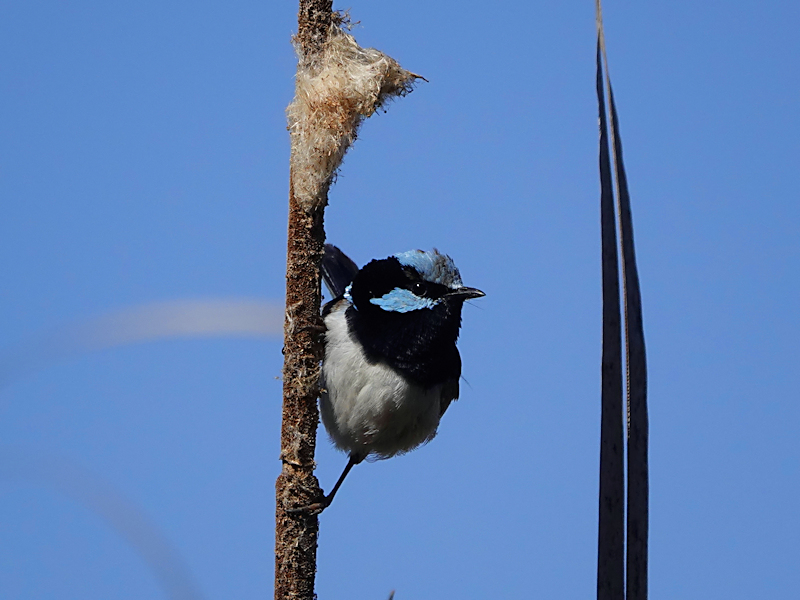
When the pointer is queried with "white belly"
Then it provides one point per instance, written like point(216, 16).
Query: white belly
point(369, 409)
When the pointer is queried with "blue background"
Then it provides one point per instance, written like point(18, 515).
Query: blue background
point(144, 158)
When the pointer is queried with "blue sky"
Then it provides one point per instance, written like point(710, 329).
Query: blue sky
point(144, 159)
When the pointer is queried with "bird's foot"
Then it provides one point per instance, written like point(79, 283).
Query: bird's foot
point(311, 509)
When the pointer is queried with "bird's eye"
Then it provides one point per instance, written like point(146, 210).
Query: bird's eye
point(419, 288)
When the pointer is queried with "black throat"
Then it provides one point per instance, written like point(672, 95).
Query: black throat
point(420, 344)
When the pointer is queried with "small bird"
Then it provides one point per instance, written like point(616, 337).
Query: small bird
point(391, 367)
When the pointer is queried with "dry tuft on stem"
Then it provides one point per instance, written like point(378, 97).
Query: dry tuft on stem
point(335, 90)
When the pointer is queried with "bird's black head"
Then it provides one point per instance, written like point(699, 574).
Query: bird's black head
point(407, 312)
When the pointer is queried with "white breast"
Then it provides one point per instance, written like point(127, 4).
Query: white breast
point(369, 409)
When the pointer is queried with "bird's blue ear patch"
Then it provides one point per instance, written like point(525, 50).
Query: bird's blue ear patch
point(402, 300)
point(432, 266)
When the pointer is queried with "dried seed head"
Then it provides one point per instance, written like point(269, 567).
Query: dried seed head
point(335, 90)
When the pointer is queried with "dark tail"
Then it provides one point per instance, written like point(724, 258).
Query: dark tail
point(338, 270)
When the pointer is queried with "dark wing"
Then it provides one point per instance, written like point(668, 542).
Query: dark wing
point(338, 271)
point(452, 371)
point(449, 393)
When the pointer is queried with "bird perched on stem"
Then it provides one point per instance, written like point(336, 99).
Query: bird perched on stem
point(391, 366)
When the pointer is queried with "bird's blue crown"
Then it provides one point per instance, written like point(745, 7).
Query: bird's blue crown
point(432, 267)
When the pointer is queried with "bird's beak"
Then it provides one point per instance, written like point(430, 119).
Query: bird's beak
point(465, 293)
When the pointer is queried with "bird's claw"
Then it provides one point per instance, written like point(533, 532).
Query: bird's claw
point(311, 509)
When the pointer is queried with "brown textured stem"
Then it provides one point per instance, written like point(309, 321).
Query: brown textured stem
point(314, 19)
point(296, 533)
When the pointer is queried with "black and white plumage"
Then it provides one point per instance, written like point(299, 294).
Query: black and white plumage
point(391, 367)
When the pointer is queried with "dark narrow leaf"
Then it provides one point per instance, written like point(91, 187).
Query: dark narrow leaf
point(635, 357)
point(611, 528)
point(636, 360)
